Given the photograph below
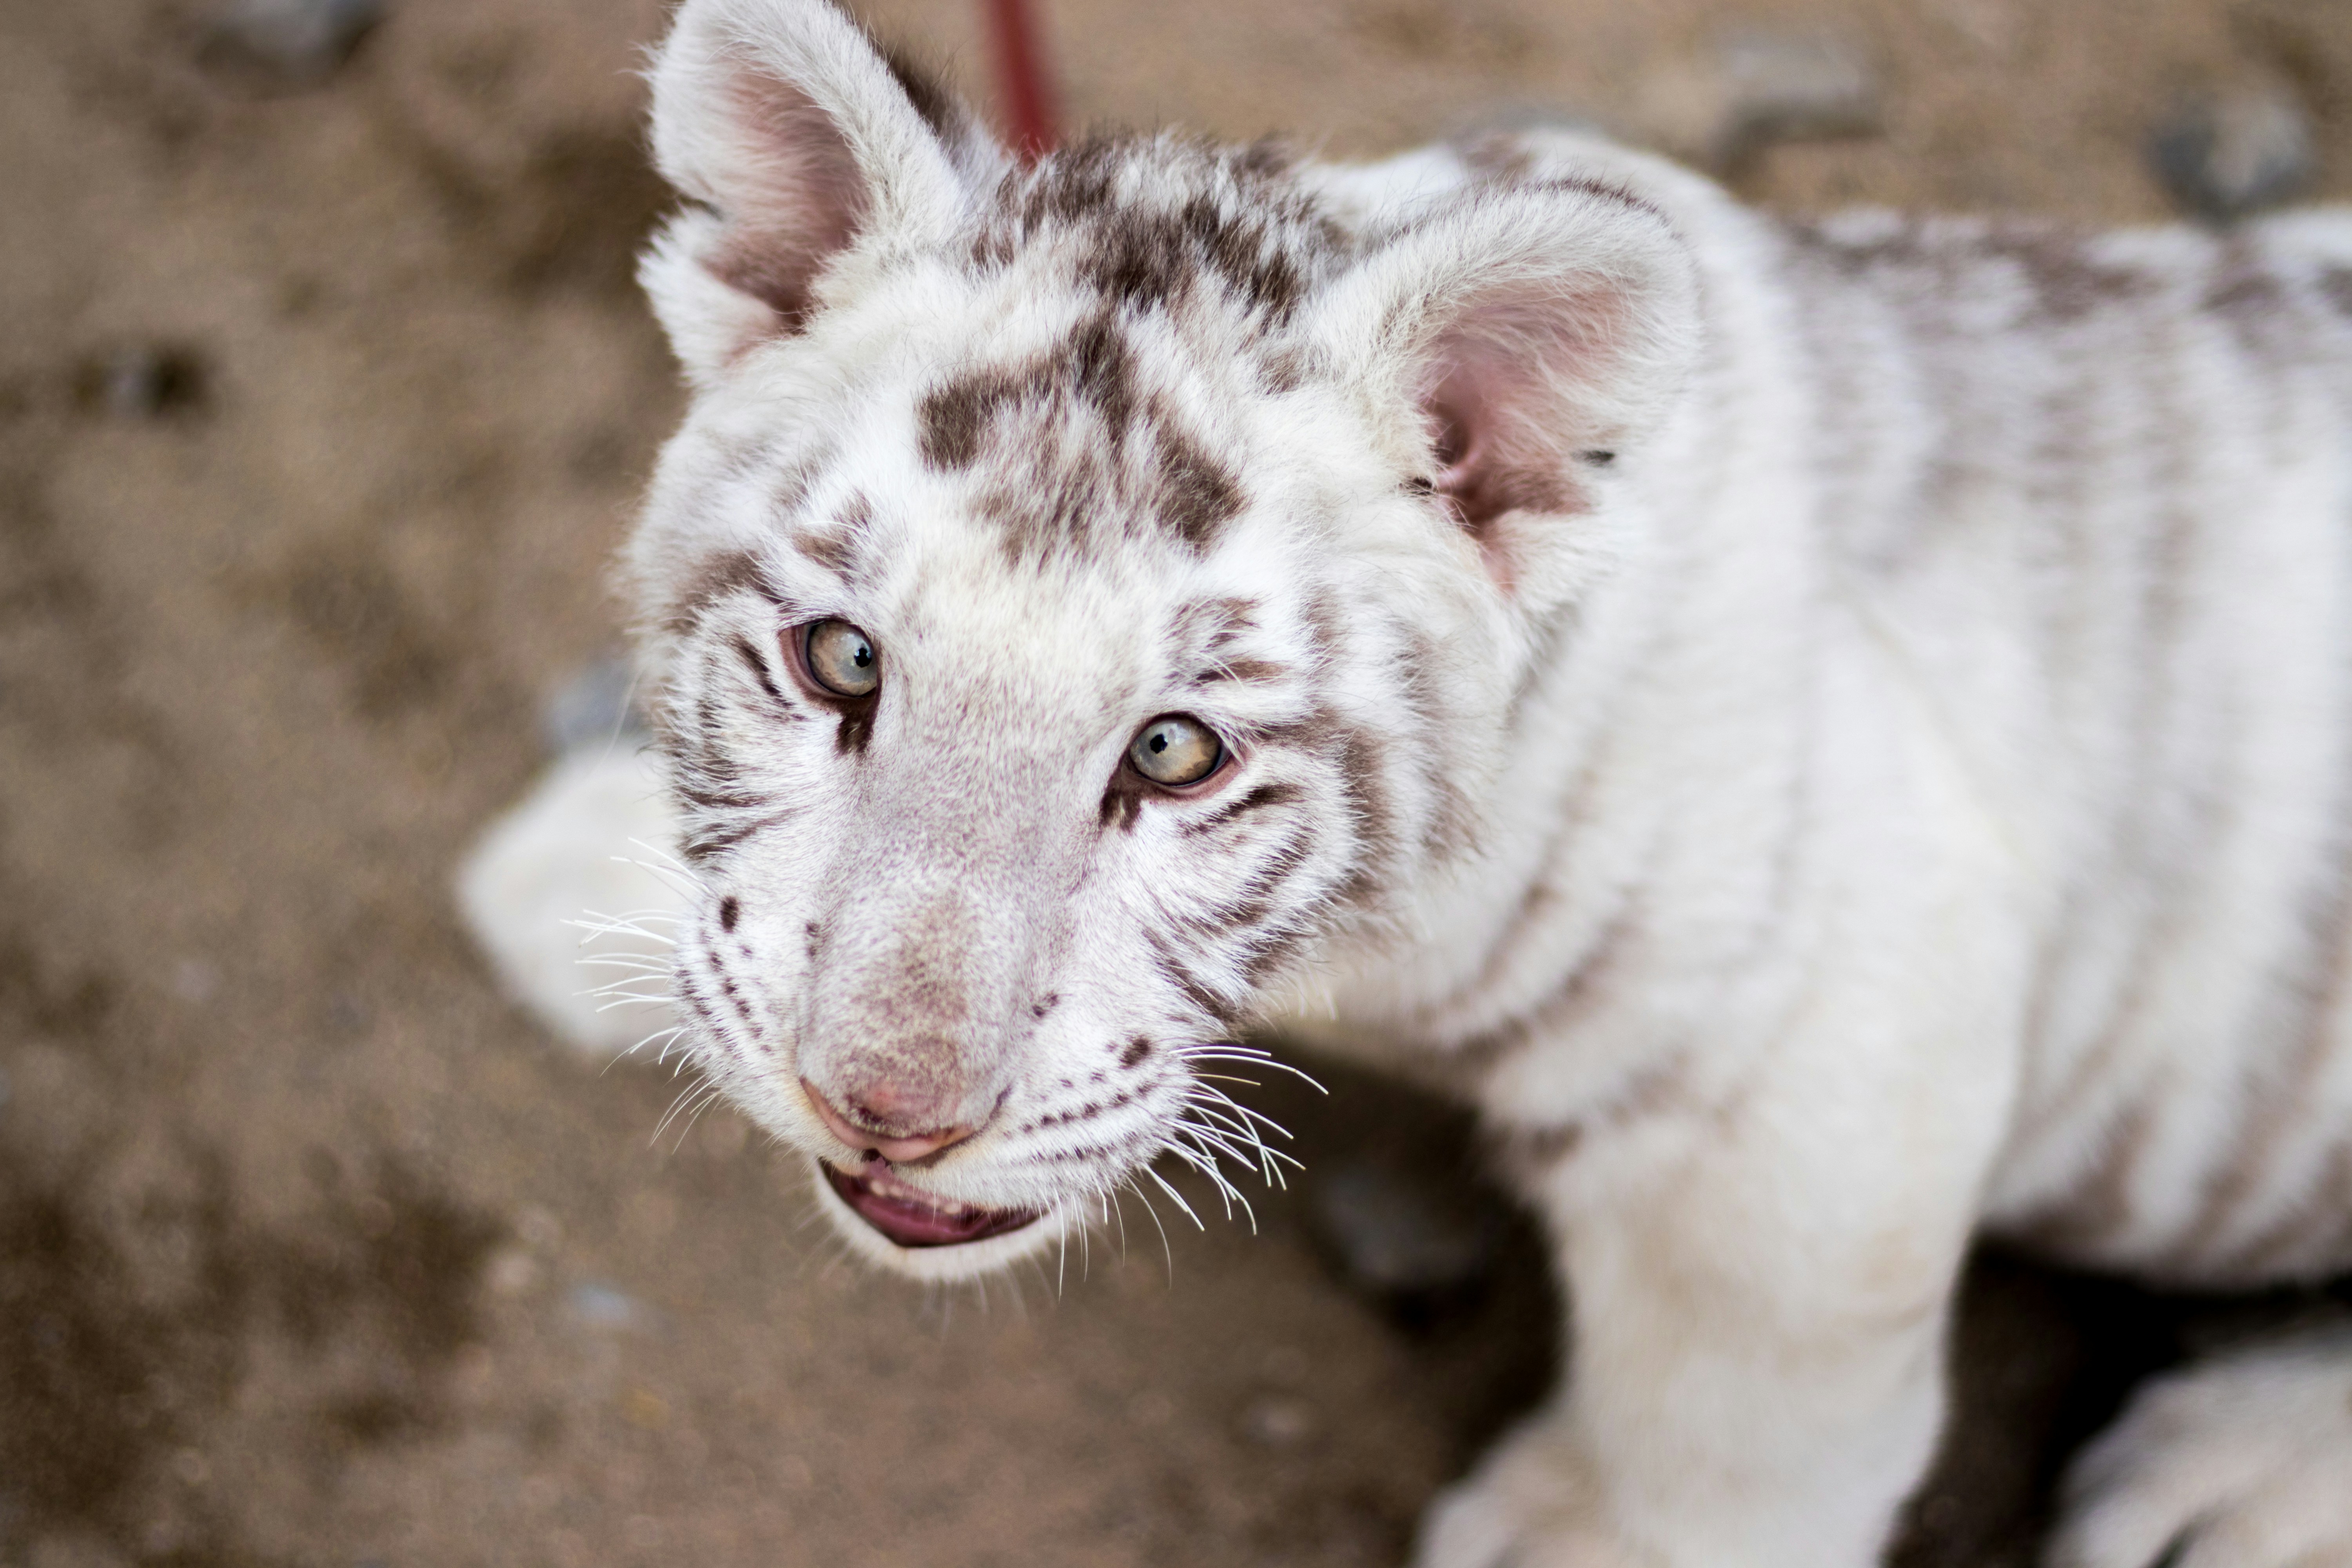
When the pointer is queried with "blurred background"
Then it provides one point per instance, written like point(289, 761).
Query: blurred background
point(324, 398)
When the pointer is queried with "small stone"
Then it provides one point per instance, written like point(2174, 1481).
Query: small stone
point(1750, 89)
point(193, 980)
point(512, 1272)
point(1993, 26)
point(286, 43)
point(595, 707)
point(141, 382)
point(2228, 153)
point(1279, 1422)
point(602, 1305)
point(347, 1015)
point(1401, 1237)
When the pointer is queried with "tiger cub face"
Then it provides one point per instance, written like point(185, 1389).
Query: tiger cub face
point(1080, 591)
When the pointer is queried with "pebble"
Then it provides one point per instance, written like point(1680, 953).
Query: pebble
point(592, 709)
point(2224, 154)
point(602, 1305)
point(286, 43)
point(512, 1272)
point(145, 381)
point(1397, 1236)
point(1279, 1422)
point(193, 980)
point(1750, 89)
point(348, 1015)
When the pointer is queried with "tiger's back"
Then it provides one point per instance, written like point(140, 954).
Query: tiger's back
point(2097, 494)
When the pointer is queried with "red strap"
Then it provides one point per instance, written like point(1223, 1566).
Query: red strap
point(1027, 105)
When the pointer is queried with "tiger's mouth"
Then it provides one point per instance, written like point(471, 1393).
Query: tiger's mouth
point(910, 1217)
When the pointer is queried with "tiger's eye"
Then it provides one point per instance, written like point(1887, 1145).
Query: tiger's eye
point(1176, 750)
point(843, 659)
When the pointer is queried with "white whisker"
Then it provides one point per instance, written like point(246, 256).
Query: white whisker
point(667, 1036)
point(599, 925)
point(625, 986)
point(1207, 1166)
point(680, 867)
point(1176, 1197)
point(693, 1095)
point(1238, 1109)
point(1248, 1056)
point(1151, 1209)
point(1227, 1193)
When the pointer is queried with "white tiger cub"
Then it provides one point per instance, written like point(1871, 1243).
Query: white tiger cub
point(1832, 738)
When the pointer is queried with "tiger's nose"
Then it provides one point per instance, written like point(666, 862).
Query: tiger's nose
point(870, 1128)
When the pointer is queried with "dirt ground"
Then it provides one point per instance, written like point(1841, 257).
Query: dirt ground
point(321, 415)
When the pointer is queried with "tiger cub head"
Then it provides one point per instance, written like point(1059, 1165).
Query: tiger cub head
point(1081, 592)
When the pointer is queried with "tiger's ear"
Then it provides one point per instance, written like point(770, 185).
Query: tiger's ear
point(801, 141)
point(1530, 338)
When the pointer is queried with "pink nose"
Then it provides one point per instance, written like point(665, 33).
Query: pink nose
point(863, 1131)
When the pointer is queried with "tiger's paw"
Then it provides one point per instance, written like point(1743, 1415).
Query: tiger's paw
point(2242, 1462)
point(1532, 1503)
point(582, 853)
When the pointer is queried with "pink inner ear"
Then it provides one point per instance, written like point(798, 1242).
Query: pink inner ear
point(1501, 437)
point(1516, 390)
point(806, 202)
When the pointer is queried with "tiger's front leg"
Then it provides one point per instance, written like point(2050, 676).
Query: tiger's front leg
point(1759, 1290)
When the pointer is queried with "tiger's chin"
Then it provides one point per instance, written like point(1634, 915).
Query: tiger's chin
point(894, 1225)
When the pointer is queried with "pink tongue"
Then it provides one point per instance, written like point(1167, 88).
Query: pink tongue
point(912, 1222)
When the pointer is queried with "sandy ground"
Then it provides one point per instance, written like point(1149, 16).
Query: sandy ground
point(311, 1248)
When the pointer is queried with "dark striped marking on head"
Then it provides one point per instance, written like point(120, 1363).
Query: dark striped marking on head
point(1198, 495)
point(1147, 259)
point(1205, 214)
point(718, 577)
point(1071, 493)
point(1094, 370)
